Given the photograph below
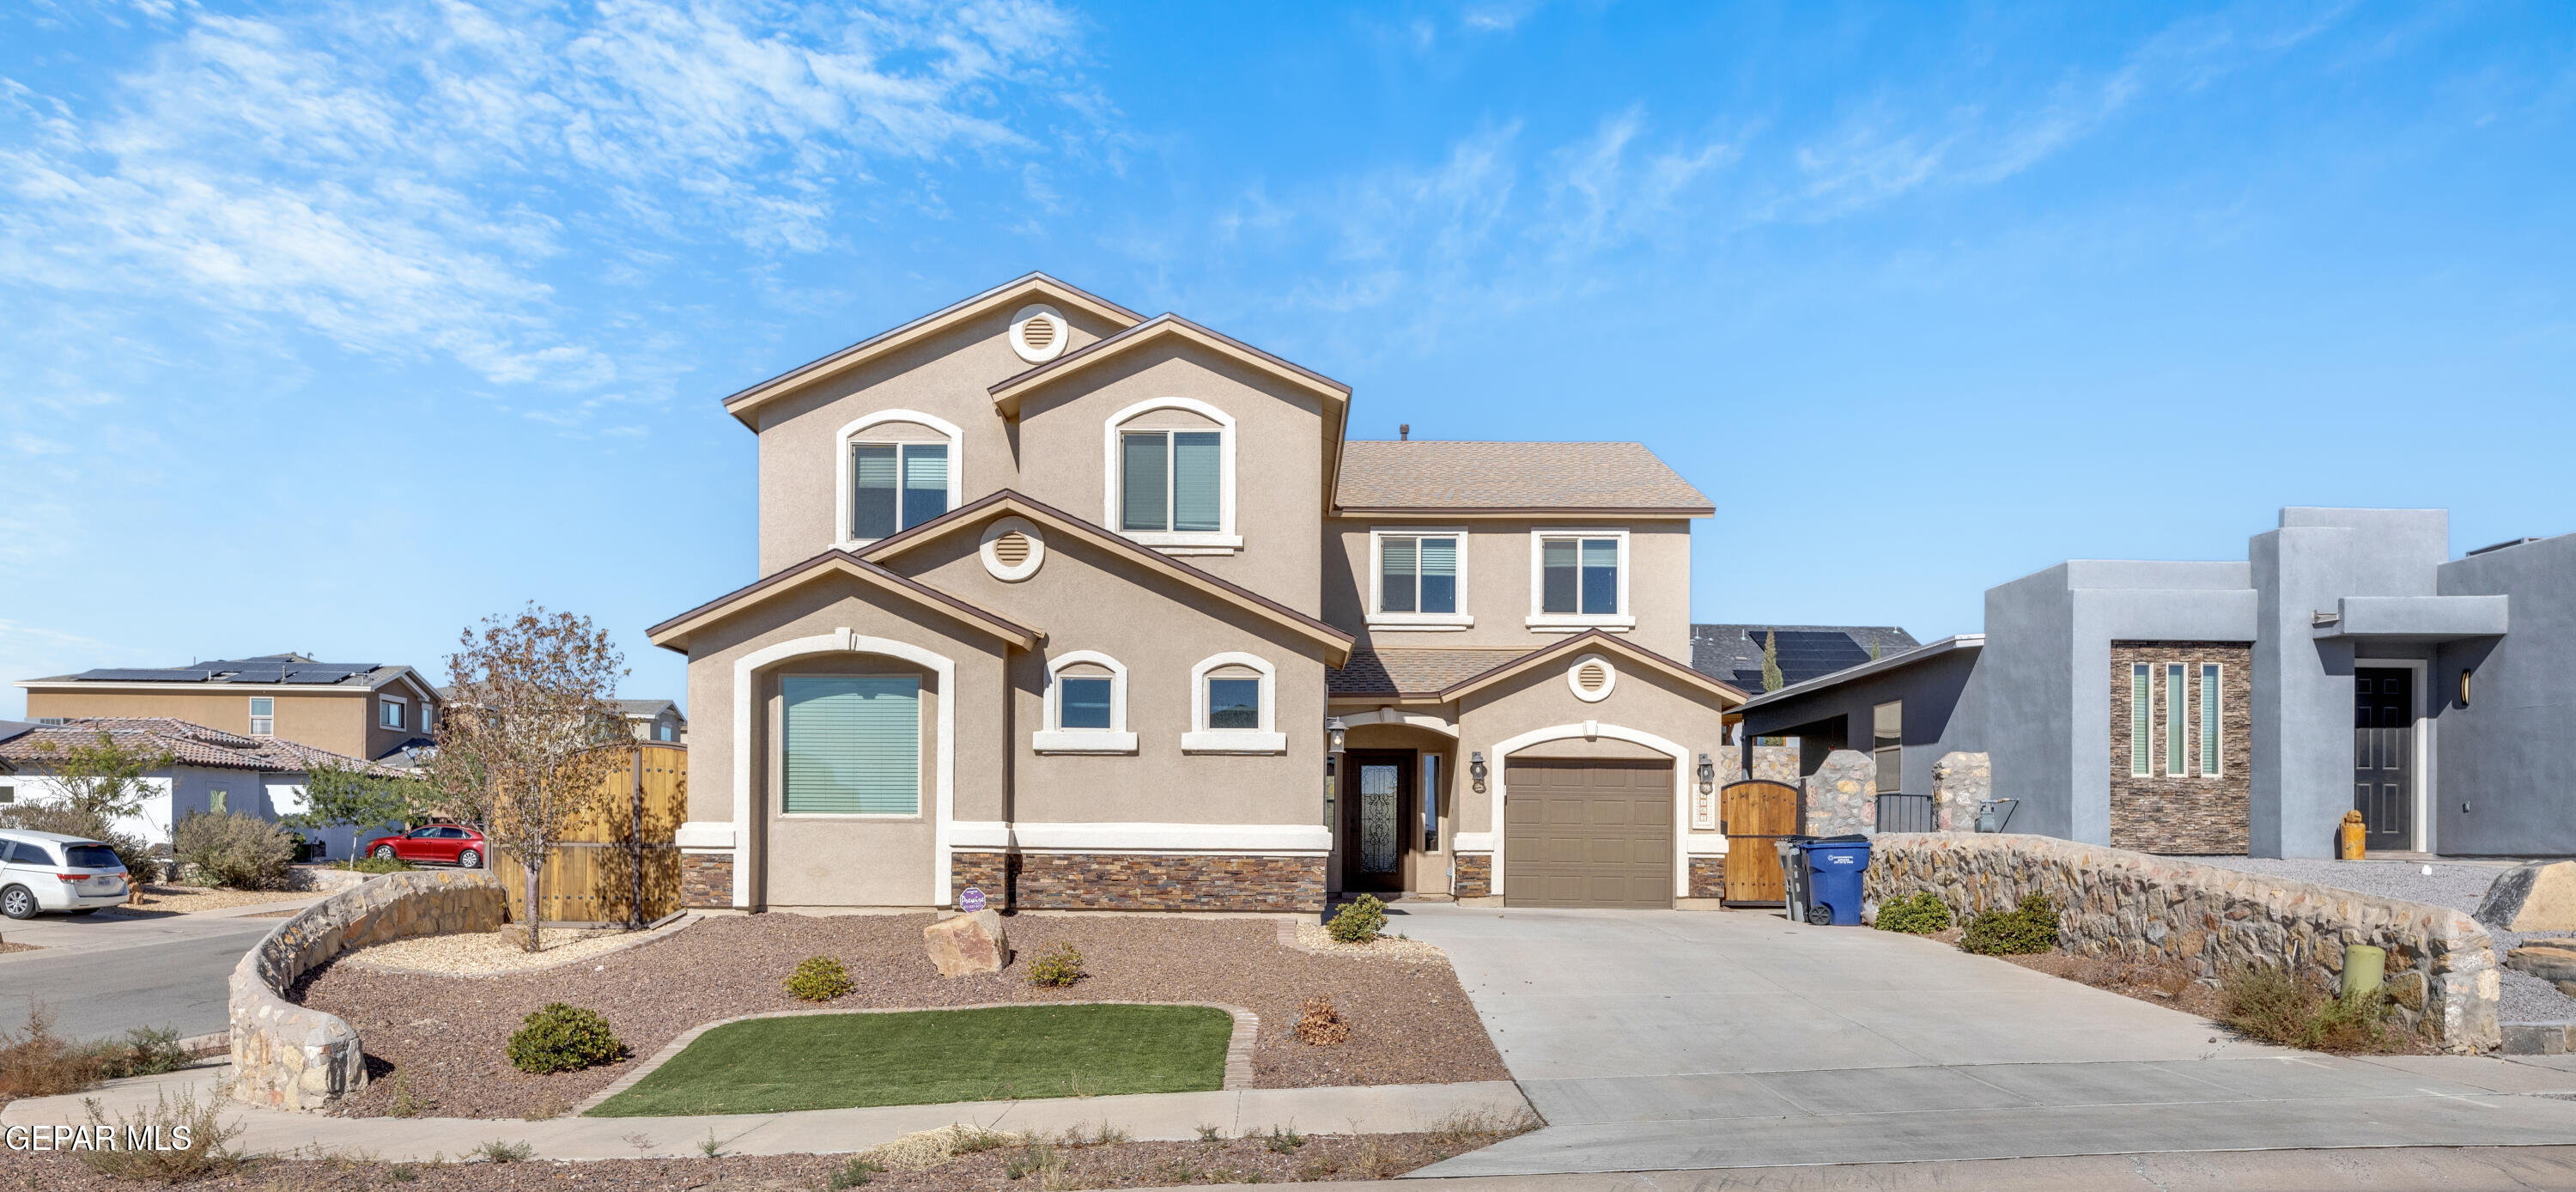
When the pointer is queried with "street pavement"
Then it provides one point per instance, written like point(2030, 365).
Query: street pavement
point(1697, 1040)
point(103, 974)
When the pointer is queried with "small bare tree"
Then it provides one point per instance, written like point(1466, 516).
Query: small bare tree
point(528, 736)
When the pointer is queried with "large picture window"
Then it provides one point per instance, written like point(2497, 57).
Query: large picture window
point(852, 745)
point(896, 486)
point(1171, 481)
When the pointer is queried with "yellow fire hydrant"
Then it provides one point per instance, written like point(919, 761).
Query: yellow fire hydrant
point(2349, 837)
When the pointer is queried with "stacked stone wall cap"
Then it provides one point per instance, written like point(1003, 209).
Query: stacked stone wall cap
point(967, 944)
point(2538, 896)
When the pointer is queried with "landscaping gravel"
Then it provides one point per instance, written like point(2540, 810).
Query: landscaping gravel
point(2458, 885)
point(435, 1044)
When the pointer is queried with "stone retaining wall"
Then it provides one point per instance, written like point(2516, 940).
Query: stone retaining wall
point(2111, 902)
point(287, 1056)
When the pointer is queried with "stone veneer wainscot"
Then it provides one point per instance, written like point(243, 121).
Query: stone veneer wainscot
point(1708, 877)
point(287, 1056)
point(1142, 881)
point(1474, 877)
point(2113, 902)
point(2195, 812)
point(706, 879)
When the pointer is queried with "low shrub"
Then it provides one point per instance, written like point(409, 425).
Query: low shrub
point(1319, 1026)
point(196, 1141)
point(1922, 914)
point(498, 1151)
point(1361, 921)
point(852, 1174)
point(819, 979)
point(234, 849)
point(2023, 930)
point(563, 1038)
point(1061, 966)
point(2271, 1004)
point(144, 1051)
point(36, 1062)
point(1283, 1140)
point(378, 865)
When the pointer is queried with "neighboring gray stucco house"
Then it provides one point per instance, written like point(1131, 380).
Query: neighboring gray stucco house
point(2348, 663)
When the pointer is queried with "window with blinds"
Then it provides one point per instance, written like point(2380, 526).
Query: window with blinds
point(896, 486)
point(2142, 700)
point(1417, 574)
point(1579, 576)
point(1171, 481)
point(853, 745)
point(2209, 755)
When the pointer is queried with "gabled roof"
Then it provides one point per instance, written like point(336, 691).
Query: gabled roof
point(1161, 327)
point(1020, 290)
point(1409, 674)
point(1733, 653)
point(1956, 642)
point(644, 707)
point(1336, 643)
point(1594, 640)
point(1437, 476)
point(673, 634)
point(188, 744)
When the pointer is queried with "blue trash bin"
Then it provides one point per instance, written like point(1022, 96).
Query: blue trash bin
point(1833, 880)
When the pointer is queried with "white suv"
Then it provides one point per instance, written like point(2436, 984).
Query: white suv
point(48, 871)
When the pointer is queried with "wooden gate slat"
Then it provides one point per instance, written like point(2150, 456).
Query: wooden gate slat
point(1756, 813)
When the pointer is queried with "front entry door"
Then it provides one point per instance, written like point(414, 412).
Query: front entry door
point(1377, 802)
point(2383, 755)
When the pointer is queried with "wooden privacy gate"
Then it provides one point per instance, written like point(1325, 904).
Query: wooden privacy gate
point(593, 880)
point(1755, 813)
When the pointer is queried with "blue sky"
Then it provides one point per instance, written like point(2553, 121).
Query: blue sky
point(332, 328)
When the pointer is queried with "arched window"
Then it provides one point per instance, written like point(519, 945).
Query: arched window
point(1169, 469)
point(1086, 706)
point(898, 469)
point(1234, 706)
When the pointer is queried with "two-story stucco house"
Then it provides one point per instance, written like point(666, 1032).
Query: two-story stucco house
point(368, 710)
point(1083, 609)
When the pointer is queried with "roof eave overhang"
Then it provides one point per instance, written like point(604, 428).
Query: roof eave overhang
point(1546, 512)
point(1919, 654)
point(673, 634)
point(742, 404)
point(1729, 696)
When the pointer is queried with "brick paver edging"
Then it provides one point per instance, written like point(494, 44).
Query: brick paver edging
point(1238, 1047)
point(654, 936)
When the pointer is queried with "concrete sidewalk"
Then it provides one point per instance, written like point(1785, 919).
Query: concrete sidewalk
point(2394, 1169)
point(1146, 1117)
point(1691, 1040)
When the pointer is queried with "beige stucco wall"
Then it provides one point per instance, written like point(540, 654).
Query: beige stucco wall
point(1278, 451)
point(1498, 583)
point(337, 721)
point(946, 375)
point(873, 862)
point(1088, 598)
point(1643, 700)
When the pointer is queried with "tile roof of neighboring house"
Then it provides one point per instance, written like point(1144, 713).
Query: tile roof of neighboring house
point(1734, 652)
point(1430, 474)
point(188, 744)
point(1407, 672)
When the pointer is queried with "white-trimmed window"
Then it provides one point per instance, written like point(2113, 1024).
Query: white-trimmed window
point(2177, 732)
point(898, 469)
point(1579, 580)
point(1169, 465)
point(2210, 725)
point(1234, 706)
point(1086, 706)
point(2142, 700)
point(428, 716)
point(389, 711)
point(263, 715)
point(1421, 579)
point(850, 745)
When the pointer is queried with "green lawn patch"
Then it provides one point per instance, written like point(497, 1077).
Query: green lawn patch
point(924, 1057)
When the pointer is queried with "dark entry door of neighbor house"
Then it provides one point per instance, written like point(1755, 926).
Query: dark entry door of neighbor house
point(1377, 802)
point(2383, 755)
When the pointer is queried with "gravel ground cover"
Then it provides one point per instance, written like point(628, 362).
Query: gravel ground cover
point(484, 953)
point(1100, 1165)
point(436, 1043)
point(1315, 937)
point(2458, 885)
point(159, 898)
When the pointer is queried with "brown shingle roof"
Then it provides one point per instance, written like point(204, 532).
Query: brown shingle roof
point(1443, 475)
point(1408, 672)
point(187, 743)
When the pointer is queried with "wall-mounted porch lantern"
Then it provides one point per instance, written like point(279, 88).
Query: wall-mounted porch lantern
point(1707, 775)
point(1335, 732)
point(1476, 771)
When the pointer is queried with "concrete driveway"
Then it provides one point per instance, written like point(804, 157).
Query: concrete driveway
point(1677, 1040)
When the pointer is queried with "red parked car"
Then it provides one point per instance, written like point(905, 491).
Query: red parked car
point(446, 844)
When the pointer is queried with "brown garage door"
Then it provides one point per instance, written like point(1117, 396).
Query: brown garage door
point(1588, 833)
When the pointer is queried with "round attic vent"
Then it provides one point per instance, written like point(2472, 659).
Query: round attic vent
point(1013, 549)
point(1038, 333)
point(1592, 677)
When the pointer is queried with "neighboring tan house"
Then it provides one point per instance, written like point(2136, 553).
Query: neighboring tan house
point(654, 720)
point(2347, 663)
point(355, 709)
point(1073, 606)
point(210, 771)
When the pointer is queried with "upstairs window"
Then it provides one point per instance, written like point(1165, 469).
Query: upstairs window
point(896, 486)
point(1418, 574)
point(389, 712)
point(1171, 481)
point(263, 716)
point(1579, 576)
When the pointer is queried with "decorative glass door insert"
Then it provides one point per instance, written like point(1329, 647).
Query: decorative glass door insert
point(1379, 831)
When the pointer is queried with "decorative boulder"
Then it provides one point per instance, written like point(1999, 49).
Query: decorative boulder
point(2540, 896)
point(2549, 960)
point(967, 944)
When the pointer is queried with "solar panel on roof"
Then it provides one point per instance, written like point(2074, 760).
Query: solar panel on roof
point(335, 674)
point(145, 675)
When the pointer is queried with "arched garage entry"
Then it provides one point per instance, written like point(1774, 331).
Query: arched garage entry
point(1590, 832)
